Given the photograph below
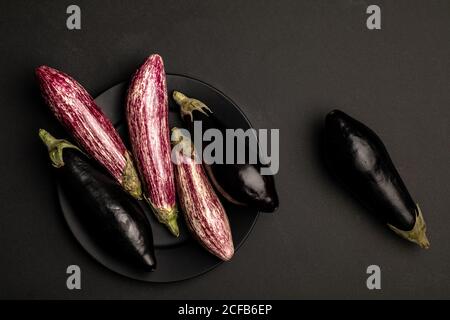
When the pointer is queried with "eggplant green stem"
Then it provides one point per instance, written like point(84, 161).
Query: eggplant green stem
point(130, 179)
point(55, 147)
point(189, 105)
point(418, 233)
point(172, 225)
point(166, 216)
point(183, 142)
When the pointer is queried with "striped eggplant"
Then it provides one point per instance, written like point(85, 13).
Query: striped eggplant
point(79, 114)
point(203, 212)
point(147, 113)
point(110, 216)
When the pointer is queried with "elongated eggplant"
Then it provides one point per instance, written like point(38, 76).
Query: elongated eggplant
point(241, 184)
point(358, 158)
point(203, 212)
point(148, 125)
point(110, 215)
point(79, 114)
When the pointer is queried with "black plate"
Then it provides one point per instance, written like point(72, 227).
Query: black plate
point(178, 258)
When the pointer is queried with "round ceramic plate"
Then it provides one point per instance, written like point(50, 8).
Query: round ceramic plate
point(178, 258)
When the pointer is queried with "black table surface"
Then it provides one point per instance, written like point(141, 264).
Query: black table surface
point(286, 64)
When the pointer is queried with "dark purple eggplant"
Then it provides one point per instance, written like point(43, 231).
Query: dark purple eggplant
point(109, 215)
point(359, 159)
point(241, 184)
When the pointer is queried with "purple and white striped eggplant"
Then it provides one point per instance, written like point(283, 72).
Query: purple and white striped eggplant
point(204, 214)
point(148, 125)
point(79, 114)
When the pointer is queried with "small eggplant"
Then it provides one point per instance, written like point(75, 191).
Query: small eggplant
point(359, 159)
point(203, 212)
point(241, 184)
point(109, 215)
point(83, 119)
point(148, 124)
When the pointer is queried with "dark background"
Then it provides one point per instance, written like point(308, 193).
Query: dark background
point(286, 64)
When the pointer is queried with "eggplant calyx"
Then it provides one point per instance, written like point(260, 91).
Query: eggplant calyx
point(183, 142)
point(55, 147)
point(418, 233)
point(130, 178)
point(168, 217)
point(172, 224)
point(189, 105)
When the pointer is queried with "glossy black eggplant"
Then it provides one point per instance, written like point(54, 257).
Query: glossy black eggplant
point(241, 184)
point(109, 215)
point(359, 159)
